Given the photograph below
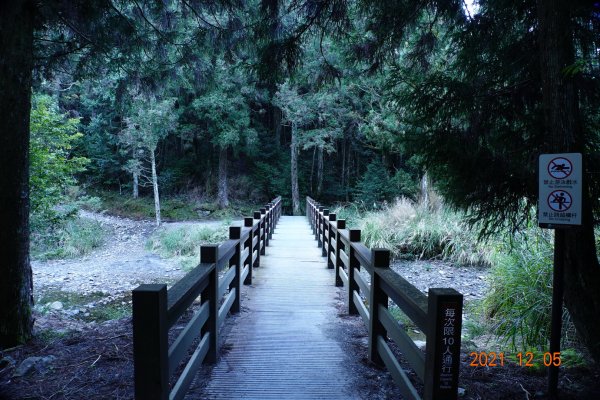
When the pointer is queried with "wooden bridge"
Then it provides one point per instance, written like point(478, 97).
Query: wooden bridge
point(281, 346)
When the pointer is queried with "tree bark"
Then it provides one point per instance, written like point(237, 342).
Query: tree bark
point(155, 187)
point(16, 60)
point(320, 172)
point(294, 168)
point(223, 195)
point(136, 184)
point(343, 178)
point(277, 116)
point(312, 169)
point(425, 190)
point(562, 120)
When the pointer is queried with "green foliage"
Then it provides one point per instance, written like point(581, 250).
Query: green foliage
point(224, 111)
point(376, 185)
point(520, 296)
point(150, 121)
point(52, 165)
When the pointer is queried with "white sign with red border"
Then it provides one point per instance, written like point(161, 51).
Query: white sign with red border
point(559, 201)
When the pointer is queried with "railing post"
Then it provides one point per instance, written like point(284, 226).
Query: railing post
point(442, 358)
point(325, 229)
point(271, 209)
point(341, 224)
point(258, 242)
point(380, 259)
point(235, 232)
point(150, 342)
point(330, 250)
point(320, 226)
point(248, 224)
point(265, 236)
point(209, 254)
point(308, 211)
point(354, 236)
point(261, 229)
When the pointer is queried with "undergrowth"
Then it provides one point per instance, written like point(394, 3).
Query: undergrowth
point(173, 208)
point(73, 237)
point(520, 296)
point(184, 242)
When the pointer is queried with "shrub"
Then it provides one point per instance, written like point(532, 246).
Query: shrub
point(520, 297)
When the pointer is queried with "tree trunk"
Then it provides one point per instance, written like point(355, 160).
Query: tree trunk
point(320, 172)
point(343, 178)
point(294, 168)
point(16, 59)
point(425, 190)
point(348, 169)
point(136, 184)
point(223, 196)
point(312, 169)
point(277, 114)
point(155, 187)
point(562, 120)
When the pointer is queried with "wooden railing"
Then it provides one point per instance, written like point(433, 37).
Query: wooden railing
point(438, 315)
point(217, 280)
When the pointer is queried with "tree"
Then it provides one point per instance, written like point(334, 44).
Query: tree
point(297, 114)
point(224, 115)
point(16, 299)
point(52, 165)
point(151, 120)
point(563, 124)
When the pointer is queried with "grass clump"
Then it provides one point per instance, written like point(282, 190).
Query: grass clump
point(69, 238)
point(419, 232)
point(184, 242)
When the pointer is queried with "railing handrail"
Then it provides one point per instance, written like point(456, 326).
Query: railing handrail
point(438, 315)
point(156, 309)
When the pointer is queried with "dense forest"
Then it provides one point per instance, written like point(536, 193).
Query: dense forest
point(443, 104)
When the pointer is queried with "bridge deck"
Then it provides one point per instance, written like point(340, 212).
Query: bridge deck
point(282, 345)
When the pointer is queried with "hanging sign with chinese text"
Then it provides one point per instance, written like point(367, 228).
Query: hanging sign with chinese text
point(560, 180)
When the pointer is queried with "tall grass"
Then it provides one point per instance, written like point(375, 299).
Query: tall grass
point(419, 232)
point(184, 242)
point(520, 297)
point(73, 237)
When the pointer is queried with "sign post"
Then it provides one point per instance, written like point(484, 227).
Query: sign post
point(559, 207)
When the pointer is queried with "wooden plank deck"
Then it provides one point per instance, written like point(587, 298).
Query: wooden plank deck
point(281, 345)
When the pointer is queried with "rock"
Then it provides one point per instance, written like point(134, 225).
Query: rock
point(30, 364)
point(57, 305)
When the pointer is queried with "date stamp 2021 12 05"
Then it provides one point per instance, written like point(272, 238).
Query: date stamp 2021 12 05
point(526, 359)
